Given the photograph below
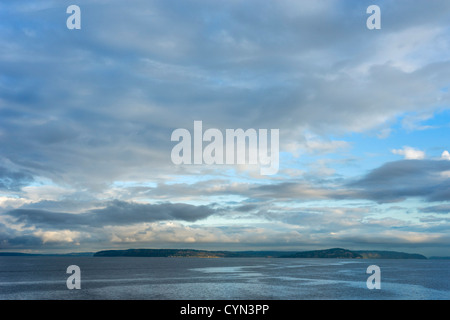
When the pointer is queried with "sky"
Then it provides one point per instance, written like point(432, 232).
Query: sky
point(86, 117)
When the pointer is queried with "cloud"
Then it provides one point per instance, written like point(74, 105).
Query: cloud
point(11, 238)
point(315, 145)
point(57, 236)
point(445, 155)
point(387, 238)
point(293, 190)
point(115, 99)
point(114, 213)
point(14, 180)
point(399, 180)
point(409, 153)
point(442, 209)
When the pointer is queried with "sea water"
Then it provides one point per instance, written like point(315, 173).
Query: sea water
point(24, 278)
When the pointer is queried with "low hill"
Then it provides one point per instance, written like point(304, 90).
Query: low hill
point(69, 254)
point(337, 253)
point(189, 253)
point(328, 253)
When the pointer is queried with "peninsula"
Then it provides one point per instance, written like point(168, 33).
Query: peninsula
point(337, 253)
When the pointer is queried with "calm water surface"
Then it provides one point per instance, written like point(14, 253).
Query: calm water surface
point(230, 278)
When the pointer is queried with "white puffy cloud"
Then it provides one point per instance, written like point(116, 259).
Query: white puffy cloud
point(410, 153)
point(445, 155)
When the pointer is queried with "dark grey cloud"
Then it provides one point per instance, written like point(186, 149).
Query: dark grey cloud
point(120, 212)
point(14, 180)
point(76, 203)
point(115, 213)
point(246, 207)
point(10, 238)
point(399, 180)
point(441, 208)
point(391, 182)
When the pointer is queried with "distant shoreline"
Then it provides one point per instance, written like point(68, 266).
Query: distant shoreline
point(333, 253)
point(70, 254)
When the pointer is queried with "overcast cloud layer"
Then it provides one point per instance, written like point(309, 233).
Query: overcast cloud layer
point(86, 118)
